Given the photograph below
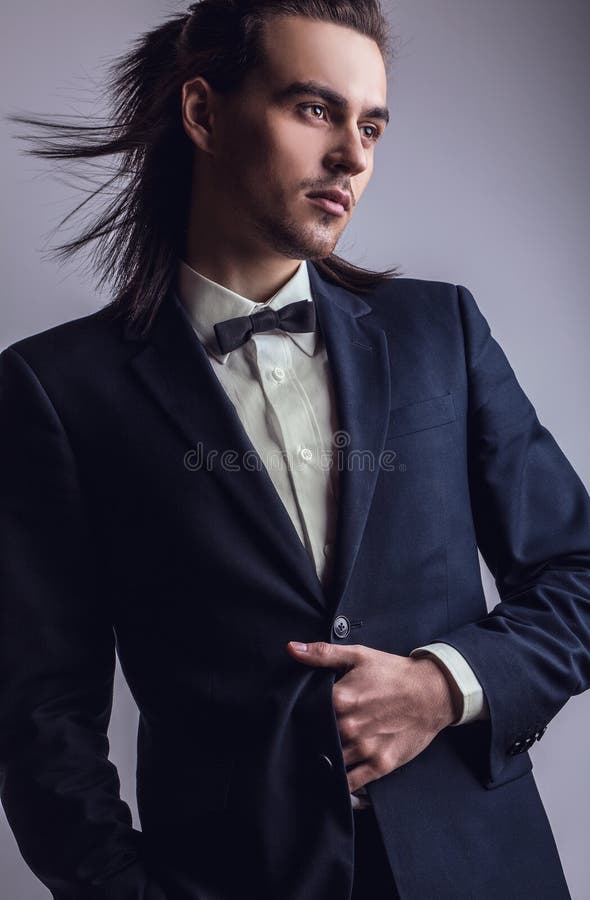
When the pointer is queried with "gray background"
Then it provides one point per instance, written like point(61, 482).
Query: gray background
point(481, 180)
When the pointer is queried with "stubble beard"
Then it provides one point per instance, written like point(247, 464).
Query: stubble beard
point(289, 238)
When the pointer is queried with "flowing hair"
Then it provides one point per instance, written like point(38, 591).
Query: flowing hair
point(140, 233)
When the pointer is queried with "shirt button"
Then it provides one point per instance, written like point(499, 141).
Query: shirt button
point(278, 373)
point(306, 453)
point(327, 548)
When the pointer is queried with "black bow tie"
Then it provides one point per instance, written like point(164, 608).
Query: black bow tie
point(298, 316)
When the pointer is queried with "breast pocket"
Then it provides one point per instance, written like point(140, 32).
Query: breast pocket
point(419, 416)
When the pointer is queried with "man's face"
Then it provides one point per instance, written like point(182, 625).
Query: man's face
point(276, 143)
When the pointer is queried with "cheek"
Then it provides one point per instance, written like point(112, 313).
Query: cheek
point(294, 147)
point(242, 142)
point(300, 144)
point(287, 158)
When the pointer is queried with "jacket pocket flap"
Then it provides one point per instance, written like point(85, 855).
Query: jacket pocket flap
point(420, 415)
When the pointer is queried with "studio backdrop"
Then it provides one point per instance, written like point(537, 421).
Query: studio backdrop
point(481, 179)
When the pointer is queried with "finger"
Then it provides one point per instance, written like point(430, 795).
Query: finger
point(352, 755)
point(360, 776)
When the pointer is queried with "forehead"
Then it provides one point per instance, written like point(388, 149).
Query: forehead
point(301, 49)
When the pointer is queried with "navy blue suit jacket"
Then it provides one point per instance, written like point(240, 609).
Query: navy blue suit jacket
point(115, 538)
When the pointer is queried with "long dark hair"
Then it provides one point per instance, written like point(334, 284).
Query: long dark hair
point(140, 235)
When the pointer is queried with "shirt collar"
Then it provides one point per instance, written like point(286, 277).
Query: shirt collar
point(206, 302)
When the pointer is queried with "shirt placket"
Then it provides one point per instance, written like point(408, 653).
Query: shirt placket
point(298, 437)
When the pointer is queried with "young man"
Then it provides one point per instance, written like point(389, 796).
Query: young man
point(258, 444)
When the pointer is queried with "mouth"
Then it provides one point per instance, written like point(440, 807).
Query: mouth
point(333, 201)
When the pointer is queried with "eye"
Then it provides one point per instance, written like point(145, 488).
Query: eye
point(313, 106)
point(376, 132)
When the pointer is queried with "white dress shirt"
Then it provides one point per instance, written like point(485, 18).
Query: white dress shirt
point(281, 387)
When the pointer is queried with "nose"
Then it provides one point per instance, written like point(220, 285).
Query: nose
point(348, 153)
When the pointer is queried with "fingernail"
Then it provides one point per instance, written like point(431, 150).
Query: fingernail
point(298, 646)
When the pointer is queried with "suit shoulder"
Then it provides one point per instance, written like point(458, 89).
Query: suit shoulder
point(67, 343)
point(411, 290)
point(402, 301)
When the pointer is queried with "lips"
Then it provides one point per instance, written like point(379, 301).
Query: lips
point(336, 196)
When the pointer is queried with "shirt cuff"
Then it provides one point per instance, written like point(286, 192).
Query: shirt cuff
point(474, 702)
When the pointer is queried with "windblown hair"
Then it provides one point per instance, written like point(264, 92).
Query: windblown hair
point(140, 234)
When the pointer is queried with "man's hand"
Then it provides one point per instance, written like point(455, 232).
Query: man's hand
point(388, 707)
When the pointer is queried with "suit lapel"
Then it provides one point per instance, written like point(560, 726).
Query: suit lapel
point(174, 368)
point(359, 362)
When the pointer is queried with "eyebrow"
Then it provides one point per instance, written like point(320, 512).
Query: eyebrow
point(296, 88)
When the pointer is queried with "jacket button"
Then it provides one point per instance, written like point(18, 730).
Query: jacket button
point(325, 762)
point(341, 627)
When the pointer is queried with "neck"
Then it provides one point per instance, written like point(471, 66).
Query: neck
point(219, 247)
point(256, 279)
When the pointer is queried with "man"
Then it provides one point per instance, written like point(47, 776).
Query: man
point(143, 510)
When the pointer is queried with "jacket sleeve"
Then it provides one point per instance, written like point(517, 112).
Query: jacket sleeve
point(58, 788)
point(531, 513)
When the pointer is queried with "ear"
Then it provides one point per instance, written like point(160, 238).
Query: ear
point(198, 103)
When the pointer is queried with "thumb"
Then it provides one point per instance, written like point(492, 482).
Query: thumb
point(321, 653)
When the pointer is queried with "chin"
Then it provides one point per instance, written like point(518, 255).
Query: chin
point(314, 249)
point(325, 244)
point(300, 238)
